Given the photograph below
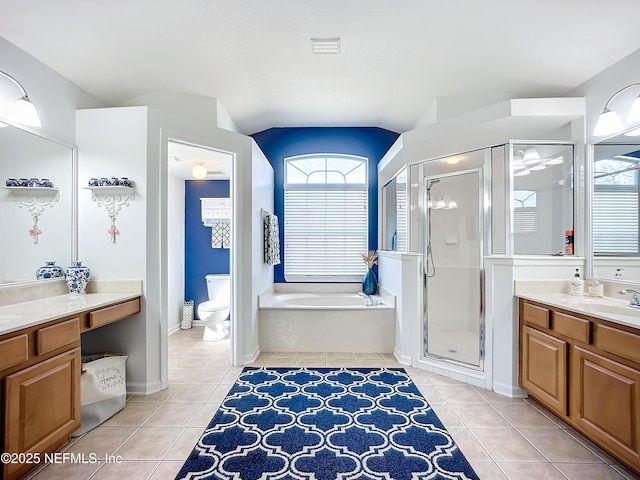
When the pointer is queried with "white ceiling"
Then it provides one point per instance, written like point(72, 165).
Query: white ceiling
point(183, 157)
point(397, 56)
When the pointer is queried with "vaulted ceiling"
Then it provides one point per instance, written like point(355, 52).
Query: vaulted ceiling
point(396, 56)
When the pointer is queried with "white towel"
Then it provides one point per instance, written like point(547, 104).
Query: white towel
point(220, 235)
point(271, 240)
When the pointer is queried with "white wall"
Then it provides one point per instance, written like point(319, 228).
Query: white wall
point(55, 97)
point(401, 275)
point(175, 243)
point(262, 188)
point(602, 86)
point(132, 141)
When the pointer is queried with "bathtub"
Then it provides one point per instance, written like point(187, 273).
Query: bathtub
point(319, 301)
point(322, 320)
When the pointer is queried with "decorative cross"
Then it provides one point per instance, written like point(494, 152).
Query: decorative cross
point(35, 231)
point(113, 231)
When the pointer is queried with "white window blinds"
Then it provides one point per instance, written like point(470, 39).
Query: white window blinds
point(615, 221)
point(325, 221)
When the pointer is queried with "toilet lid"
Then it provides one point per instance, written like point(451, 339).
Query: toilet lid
point(212, 305)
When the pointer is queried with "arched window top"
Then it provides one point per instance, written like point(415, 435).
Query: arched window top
point(616, 171)
point(326, 169)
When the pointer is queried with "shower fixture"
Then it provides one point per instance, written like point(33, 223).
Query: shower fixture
point(430, 267)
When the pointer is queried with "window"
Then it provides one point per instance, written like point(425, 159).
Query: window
point(615, 207)
point(525, 216)
point(325, 218)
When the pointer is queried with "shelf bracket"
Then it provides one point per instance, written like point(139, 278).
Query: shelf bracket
point(112, 199)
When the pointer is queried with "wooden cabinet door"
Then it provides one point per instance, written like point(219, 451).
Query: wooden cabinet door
point(42, 407)
point(543, 370)
point(605, 403)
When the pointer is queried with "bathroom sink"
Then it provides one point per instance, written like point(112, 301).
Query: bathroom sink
point(617, 310)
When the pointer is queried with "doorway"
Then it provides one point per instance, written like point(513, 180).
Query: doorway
point(191, 252)
point(453, 321)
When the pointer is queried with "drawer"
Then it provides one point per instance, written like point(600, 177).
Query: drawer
point(572, 327)
point(55, 336)
point(619, 342)
point(14, 350)
point(535, 315)
point(103, 316)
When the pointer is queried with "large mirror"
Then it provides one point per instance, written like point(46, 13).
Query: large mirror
point(542, 199)
point(616, 207)
point(38, 220)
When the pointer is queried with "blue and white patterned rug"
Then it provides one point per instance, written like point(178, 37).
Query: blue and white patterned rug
point(325, 424)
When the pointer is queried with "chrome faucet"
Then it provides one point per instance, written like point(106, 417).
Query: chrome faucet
point(635, 299)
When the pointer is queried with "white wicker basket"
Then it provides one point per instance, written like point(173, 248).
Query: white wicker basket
point(187, 315)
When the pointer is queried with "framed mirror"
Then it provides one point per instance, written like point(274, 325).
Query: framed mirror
point(37, 204)
point(615, 207)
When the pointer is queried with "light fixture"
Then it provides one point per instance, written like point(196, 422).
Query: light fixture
point(530, 156)
point(452, 204)
point(633, 133)
point(609, 122)
point(199, 171)
point(517, 158)
point(440, 203)
point(325, 46)
point(453, 160)
point(22, 110)
point(554, 161)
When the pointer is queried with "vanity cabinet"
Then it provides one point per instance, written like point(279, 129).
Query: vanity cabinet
point(587, 371)
point(40, 369)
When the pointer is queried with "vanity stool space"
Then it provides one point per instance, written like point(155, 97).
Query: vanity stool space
point(586, 370)
point(40, 374)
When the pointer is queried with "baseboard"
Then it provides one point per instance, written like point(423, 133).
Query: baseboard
point(137, 388)
point(173, 328)
point(511, 391)
point(251, 357)
point(403, 359)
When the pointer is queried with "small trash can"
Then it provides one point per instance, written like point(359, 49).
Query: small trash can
point(103, 389)
point(187, 315)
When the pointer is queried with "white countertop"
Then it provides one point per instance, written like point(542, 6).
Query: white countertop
point(607, 308)
point(26, 314)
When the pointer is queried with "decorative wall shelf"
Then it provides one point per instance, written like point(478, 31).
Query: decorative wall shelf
point(35, 200)
point(112, 198)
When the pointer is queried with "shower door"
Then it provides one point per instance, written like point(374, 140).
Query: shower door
point(453, 323)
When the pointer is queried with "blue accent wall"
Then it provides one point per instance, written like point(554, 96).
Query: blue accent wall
point(280, 143)
point(200, 259)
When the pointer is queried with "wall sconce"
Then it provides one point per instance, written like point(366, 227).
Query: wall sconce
point(530, 156)
point(609, 122)
point(22, 110)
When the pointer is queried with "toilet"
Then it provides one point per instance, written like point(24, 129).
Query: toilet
point(214, 312)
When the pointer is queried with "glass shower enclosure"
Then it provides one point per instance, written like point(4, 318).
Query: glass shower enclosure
point(453, 325)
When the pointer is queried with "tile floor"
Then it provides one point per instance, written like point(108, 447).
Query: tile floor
point(502, 438)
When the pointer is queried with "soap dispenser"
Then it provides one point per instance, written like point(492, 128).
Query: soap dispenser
point(577, 286)
point(595, 287)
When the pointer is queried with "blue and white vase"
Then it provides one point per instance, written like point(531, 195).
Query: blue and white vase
point(49, 270)
point(77, 277)
point(369, 283)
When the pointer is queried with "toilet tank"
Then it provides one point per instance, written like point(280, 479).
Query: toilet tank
point(218, 286)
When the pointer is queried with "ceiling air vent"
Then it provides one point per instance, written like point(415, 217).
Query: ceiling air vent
point(324, 46)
